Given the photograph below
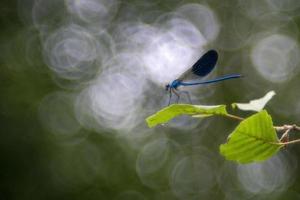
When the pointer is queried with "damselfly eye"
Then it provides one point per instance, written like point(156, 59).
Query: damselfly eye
point(167, 87)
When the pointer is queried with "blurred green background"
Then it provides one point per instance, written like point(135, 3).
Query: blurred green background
point(79, 77)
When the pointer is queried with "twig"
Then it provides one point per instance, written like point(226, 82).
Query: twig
point(285, 135)
point(234, 117)
point(289, 142)
point(287, 127)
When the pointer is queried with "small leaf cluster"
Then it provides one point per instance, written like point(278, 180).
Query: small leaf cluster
point(254, 139)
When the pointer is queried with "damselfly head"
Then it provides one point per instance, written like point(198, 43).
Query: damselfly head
point(167, 87)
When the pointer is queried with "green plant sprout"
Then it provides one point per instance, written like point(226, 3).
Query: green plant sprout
point(254, 139)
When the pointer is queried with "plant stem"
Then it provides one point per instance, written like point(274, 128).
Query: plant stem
point(287, 127)
point(234, 117)
point(285, 135)
point(289, 142)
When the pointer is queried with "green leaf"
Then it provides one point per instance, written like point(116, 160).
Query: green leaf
point(174, 110)
point(202, 115)
point(256, 104)
point(254, 139)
